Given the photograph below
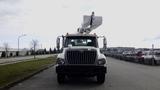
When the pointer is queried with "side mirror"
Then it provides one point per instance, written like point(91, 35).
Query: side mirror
point(58, 43)
point(101, 51)
point(104, 43)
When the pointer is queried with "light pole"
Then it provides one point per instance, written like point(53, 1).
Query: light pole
point(19, 39)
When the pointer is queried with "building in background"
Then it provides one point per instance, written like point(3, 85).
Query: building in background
point(12, 52)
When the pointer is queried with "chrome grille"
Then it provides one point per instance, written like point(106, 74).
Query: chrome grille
point(81, 56)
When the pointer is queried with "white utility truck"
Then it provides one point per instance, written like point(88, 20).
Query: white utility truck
point(81, 55)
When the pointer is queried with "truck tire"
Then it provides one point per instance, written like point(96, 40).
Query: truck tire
point(60, 78)
point(158, 62)
point(147, 61)
point(152, 61)
point(100, 78)
point(155, 62)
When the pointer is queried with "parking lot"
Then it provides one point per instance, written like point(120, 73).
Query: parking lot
point(141, 56)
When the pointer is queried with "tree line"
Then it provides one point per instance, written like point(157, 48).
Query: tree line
point(34, 50)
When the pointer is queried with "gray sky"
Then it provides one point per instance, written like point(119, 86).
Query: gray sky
point(125, 22)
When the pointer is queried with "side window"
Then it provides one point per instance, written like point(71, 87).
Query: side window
point(151, 53)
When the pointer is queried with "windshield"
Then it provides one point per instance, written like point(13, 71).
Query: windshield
point(80, 41)
point(157, 53)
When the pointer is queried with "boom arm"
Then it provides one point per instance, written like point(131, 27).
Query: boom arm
point(89, 23)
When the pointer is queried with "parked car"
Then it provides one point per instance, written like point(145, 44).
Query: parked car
point(152, 58)
point(138, 57)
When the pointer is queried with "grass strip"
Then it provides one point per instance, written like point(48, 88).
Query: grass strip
point(12, 72)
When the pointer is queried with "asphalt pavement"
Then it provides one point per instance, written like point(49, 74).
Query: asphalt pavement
point(121, 76)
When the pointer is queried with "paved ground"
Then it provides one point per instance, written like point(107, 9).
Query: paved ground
point(5, 61)
point(121, 76)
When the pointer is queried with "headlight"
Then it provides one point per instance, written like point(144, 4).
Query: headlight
point(101, 61)
point(60, 61)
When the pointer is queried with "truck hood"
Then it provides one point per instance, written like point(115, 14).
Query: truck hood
point(82, 47)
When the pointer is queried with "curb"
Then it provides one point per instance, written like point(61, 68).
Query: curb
point(6, 87)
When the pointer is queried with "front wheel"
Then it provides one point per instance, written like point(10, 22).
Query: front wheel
point(101, 78)
point(152, 61)
point(60, 78)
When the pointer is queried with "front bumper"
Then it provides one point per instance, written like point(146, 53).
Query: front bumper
point(86, 70)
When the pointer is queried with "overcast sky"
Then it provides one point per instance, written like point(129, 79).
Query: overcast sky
point(134, 23)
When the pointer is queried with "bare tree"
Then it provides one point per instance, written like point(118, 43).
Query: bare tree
point(6, 47)
point(34, 45)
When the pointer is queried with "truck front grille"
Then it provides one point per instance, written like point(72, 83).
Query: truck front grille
point(81, 56)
